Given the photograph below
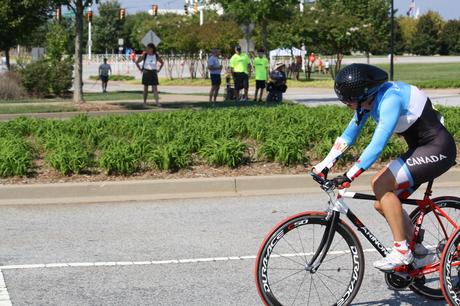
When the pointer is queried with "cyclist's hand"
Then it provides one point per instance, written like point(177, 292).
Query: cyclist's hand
point(323, 172)
point(341, 181)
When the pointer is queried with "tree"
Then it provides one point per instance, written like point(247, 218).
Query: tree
point(107, 26)
point(18, 19)
point(450, 38)
point(427, 33)
point(372, 21)
point(260, 12)
point(77, 7)
point(407, 26)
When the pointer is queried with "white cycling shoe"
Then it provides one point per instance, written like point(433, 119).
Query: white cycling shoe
point(394, 260)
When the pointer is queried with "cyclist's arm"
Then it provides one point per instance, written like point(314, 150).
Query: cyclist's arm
point(342, 143)
point(389, 115)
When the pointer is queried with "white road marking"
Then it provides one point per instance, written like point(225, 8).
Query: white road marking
point(4, 296)
point(156, 262)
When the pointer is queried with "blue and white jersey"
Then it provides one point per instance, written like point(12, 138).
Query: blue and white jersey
point(396, 107)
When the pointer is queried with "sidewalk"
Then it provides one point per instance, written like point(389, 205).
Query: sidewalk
point(148, 190)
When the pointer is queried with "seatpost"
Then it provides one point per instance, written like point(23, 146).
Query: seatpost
point(428, 191)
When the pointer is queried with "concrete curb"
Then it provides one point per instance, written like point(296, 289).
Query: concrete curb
point(97, 192)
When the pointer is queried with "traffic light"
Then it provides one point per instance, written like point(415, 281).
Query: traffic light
point(155, 9)
point(58, 14)
point(122, 13)
point(90, 16)
point(186, 9)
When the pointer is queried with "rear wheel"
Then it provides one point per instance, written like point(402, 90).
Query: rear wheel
point(284, 276)
point(449, 271)
point(435, 240)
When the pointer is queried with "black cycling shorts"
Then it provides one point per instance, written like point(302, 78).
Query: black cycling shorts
point(427, 160)
point(260, 84)
point(241, 80)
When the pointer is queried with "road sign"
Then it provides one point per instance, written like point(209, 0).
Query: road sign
point(151, 38)
point(120, 41)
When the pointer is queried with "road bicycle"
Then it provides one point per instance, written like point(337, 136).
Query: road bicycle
point(450, 269)
point(315, 258)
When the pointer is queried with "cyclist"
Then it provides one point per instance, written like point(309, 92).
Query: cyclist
point(399, 108)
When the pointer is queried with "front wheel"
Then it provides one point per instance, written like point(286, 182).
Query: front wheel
point(450, 270)
point(284, 276)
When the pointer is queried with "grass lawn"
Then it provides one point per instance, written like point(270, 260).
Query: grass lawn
point(444, 75)
point(23, 109)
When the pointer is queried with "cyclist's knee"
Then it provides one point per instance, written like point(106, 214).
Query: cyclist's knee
point(378, 207)
point(383, 182)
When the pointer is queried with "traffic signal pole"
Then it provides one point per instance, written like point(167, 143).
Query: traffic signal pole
point(392, 41)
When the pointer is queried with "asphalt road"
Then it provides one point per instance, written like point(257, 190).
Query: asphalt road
point(185, 252)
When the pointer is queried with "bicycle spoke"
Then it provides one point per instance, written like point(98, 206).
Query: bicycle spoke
point(298, 290)
point(332, 258)
point(331, 278)
point(301, 243)
point(309, 291)
point(327, 286)
point(317, 293)
point(287, 269)
point(284, 278)
point(282, 256)
point(290, 245)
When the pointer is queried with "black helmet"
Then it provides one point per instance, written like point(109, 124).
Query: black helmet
point(357, 82)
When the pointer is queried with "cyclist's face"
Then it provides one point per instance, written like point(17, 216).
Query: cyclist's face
point(367, 105)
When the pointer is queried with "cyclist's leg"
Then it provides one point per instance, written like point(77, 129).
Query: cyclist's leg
point(384, 184)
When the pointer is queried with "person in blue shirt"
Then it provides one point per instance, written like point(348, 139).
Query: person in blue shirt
point(398, 108)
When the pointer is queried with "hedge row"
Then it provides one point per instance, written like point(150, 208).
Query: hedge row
point(287, 134)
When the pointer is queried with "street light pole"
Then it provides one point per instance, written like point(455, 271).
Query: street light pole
point(392, 41)
point(90, 42)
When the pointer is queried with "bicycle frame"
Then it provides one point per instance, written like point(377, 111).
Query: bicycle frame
point(338, 206)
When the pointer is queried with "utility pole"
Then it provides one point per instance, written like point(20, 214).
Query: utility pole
point(392, 41)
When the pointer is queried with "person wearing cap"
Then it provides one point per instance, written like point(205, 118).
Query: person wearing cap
point(215, 69)
point(240, 66)
point(261, 68)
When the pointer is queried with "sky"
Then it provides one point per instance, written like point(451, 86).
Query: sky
point(449, 9)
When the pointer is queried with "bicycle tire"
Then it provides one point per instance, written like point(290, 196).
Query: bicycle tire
point(270, 256)
point(447, 203)
point(449, 287)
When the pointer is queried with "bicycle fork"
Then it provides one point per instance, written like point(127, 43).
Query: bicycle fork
point(325, 243)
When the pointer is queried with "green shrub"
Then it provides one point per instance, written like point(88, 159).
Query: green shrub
point(35, 77)
point(68, 155)
point(16, 157)
point(44, 77)
point(172, 157)
point(286, 151)
point(60, 74)
point(119, 157)
point(224, 152)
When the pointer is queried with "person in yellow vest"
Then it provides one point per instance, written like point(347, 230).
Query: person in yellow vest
point(240, 65)
point(261, 68)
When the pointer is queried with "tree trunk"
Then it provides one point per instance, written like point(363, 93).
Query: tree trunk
point(368, 57)
point(7, 56)
point(78, 80)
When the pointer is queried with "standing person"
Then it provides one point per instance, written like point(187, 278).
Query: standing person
point(215, 69)
point(261, 69)
point(399, 108)
point(150, 71)
point(104, 71)
point(240, 65)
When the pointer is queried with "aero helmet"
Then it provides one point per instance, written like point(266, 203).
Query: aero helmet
point(357, 82)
